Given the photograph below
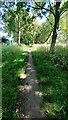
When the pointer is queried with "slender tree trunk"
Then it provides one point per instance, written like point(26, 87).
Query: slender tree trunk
point(19, 30)
point(56, 25)
point(49, 36)
point(19, 34)
point(33, 38)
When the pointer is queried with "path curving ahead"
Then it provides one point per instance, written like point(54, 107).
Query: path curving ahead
point(31, 98)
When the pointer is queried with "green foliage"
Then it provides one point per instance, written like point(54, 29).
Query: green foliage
point(14, 61)
point(60, 58)
point(17, 19)
point(64, 24)
point(64, 7)
point(53, 81)
point(26, 38)
point(43, 32)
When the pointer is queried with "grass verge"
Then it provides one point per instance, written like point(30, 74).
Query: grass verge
point(13, 62)
point(52, 72)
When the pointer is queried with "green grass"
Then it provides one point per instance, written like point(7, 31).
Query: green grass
point(13, 63)
point(0, 81)
point(53, 80)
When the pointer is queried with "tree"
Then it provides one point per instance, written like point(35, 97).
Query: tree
point(57, 11)
point(56, 25)
point(17, 19)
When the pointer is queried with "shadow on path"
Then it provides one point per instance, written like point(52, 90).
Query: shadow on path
point(31, 98)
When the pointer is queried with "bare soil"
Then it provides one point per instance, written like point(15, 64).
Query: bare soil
point(30, 97)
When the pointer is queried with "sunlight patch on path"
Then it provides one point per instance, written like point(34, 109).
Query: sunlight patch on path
point(31, 98)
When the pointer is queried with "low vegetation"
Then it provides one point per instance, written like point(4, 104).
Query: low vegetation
point(0, 81)
point(52, 73)
point(13, 63)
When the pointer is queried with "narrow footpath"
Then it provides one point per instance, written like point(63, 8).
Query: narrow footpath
point(31, 98)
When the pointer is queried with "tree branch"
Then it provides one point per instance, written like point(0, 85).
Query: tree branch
point(63, 12)
point(44, 8)
point(49, 35)
point(49, 20)
point(40, 7)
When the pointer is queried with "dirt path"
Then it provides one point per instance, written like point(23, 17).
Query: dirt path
point(31, 98)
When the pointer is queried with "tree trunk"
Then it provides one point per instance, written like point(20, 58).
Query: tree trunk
point(33, 38)
point(19, 34)
point(56, 26)
point(18, 30)
point(49, 36)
